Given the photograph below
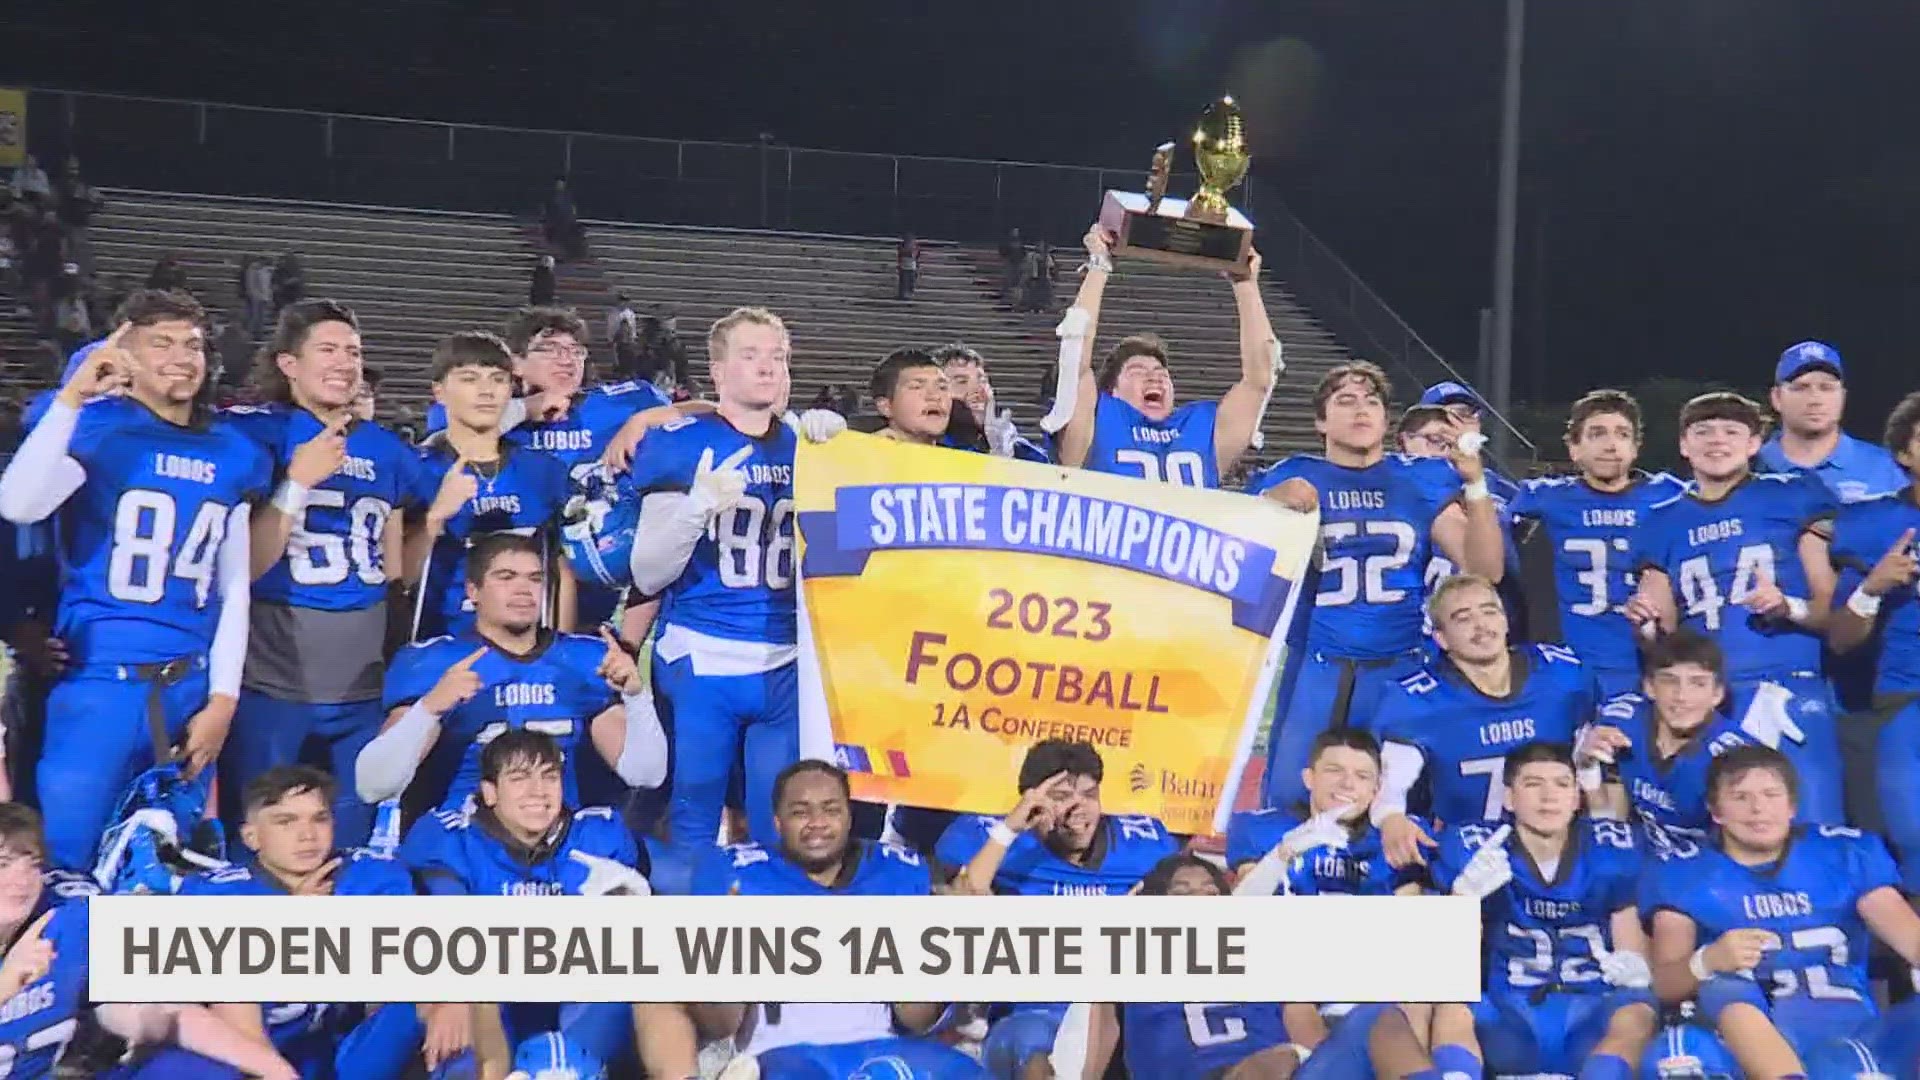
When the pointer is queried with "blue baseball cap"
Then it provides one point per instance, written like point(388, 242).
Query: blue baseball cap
point(1807, 356)
point(1449, 393)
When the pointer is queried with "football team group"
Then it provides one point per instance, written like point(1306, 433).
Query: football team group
point(1664, 730)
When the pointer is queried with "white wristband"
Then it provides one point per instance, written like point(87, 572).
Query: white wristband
point(1697, 964)
point(1100, 262)
point(1864, 605)
point(1002, 834)
point(1590, 777)
point(1797, 609)
point(1476, 491)
point(1300, 1053)
point(290, 498)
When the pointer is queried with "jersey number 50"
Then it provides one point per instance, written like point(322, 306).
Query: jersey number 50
point(143, 524)
point(754, 550)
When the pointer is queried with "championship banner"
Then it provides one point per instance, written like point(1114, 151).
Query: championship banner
point(956, 608)
point(13, 127)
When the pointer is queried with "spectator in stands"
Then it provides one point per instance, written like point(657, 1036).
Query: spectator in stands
point(255, 289)
point(11, 282)
point(73, 325)
point(289, 281)
point(907, 264)
point(623, 331)
point(77, 201)
point(169, 274)
point(1036, 292)
point(233, 343)
point(660, 358)
point(546, 285)
point(561, 222)
point(30, 181)
point(366, 400)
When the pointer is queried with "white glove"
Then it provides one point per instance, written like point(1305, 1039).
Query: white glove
point(1627, 970)
point(819, 425)
point(1001, 432)
point(1323, 830)
point(717, 489)
point(606, 876)
point(1767, 719)
point(1490, 868)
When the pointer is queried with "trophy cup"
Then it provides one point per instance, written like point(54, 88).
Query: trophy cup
point(1202, 232)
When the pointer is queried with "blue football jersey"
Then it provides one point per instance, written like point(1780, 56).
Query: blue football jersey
point(556, 690)
point(1376, 539)
point(1809, 899)
point(880, 869)
point(526, 496)
point(1542, 931)
point(37, 1023)
point(1592, 537)
point(140, 540)
point(1360, 869)
point(333, 560)
point(1463, 736)
point(362, 873)
point(581, 436)
point(1863, 532)
point(1126, 847)
point(1198, 1039)
point(1668, 796)
point(738, 584)
point(455, 853)
point(1177, 450)
point(1715, 553)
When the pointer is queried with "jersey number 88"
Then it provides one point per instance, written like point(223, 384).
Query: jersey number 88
point(756, 548)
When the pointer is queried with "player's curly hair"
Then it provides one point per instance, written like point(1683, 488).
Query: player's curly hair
point(957, 353)
point(1685, 646)
point(528, 323)
point(1160, 878)
point(1599, 403)
point(290, 334)
point(1148, 345)
point(1340, 375)
point(1900, 428)
point(144, 307)
point(1050, 756)
point(487, 549)
point(1729, 767)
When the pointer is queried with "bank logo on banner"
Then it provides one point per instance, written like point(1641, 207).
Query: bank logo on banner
point(958, 608)
point(13, 127)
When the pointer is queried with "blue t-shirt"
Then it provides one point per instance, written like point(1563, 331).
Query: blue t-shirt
point(1177, 450)
point(1668, 796)
point(334, 559)
point(738, 584)
point(453, 853)
point(1856, 469)
point(1542, 930)
point(1863, 532)
point(556, 689)
point(526, 496)
point(1809, 898)
point(1463, 736)
point(1376, 536)
point(139, 542)
point(879, 869)
point(1591, 534)
point(1359, 869)
point(1125, 849)
point(1716, 553)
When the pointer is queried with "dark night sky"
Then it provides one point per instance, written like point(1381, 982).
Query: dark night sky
point(1705, 182)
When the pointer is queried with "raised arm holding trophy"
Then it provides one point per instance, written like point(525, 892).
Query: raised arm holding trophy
point(1203, 232)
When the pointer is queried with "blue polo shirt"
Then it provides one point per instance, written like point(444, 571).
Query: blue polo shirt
point(1856, 469)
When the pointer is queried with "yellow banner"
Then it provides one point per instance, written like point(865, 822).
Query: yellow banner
point(957, 608)
point(13, 127)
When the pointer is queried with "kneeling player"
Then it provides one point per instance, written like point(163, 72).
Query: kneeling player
point(1327, 845)
point(43, 981)
point(1567, 985)
point(1769, 925)
point(1662, 740)
point(288, 828)
point(817, 856)
point(520, 840)
point(1056, 842)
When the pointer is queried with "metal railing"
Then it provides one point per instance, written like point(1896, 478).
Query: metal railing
point(204, 147)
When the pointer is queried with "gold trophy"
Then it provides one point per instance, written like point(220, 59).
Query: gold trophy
point(1203, 232)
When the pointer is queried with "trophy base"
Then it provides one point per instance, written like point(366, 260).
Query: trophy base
point(1164, 234)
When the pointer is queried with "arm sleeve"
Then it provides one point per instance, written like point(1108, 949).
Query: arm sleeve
point(386, 764)
point(1403, 763)
point(228, 656)
point(669, 528)
point(643, 752)
point(42, 474)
